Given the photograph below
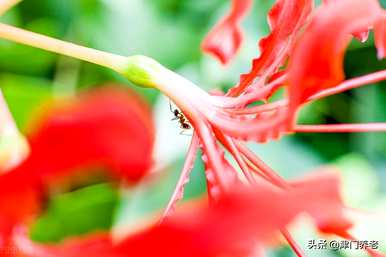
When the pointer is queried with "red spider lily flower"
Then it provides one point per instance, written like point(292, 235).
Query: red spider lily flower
point(222, 122)
point(319, 78)
point(226, 37)
point(107, 128)
point(228, 228)
point(286, 19)
point(223, 118)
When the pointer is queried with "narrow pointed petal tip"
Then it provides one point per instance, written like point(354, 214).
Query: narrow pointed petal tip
point(226, 37)
point(223, 43)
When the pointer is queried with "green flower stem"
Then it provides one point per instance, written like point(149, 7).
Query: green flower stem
point(141, 70)
point(137, 69)
point(25, 37)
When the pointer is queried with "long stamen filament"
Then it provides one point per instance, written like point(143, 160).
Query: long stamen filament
point(231, 147)
point(351, 84)
point(279, 181)
point(295, 247)
point(341, 128)
point(273, 176)
point(344, 86)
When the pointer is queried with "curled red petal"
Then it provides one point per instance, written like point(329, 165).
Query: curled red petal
point(286, 18)
point(226, 37)
point(107, 127)
point(317, 60)
point(361, 35)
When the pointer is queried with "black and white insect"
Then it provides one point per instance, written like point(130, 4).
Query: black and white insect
point(178, 115)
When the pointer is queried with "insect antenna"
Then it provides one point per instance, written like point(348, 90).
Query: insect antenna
point(170, 106)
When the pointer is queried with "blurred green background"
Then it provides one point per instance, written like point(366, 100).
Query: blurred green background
point(171, 31)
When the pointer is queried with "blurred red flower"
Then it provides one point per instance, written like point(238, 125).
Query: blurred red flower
point(230, 227)
point(106, 128)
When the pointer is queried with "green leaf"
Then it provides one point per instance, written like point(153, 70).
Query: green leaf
point(76, 213)
point(23, 95)
point(25, 59)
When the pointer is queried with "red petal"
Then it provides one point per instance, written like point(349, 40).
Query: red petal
point(107, 127)
point(362, 35)
point(19, 201)
point(213, 184)
point(317, 61)
point(97, 245)
point(237, 219)
point(285, 18)
point(324, 183)
point(380, 36)
point(178, 193)
point(226, 37)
